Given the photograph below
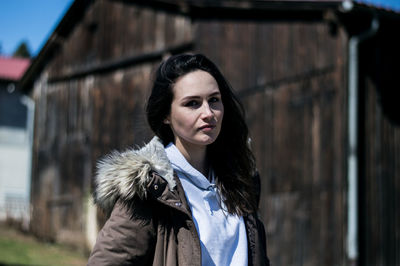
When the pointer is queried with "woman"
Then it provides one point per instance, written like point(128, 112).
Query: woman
point(190, 196)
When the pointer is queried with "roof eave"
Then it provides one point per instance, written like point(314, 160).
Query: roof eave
point(74, 14)
point(205, 9)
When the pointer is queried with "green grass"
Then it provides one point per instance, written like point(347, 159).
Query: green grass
point(19, 249)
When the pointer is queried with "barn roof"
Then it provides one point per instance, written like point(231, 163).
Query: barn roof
point(265, 9)
point(12, 68)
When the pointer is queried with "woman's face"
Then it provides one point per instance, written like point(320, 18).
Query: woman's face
point(196, 110)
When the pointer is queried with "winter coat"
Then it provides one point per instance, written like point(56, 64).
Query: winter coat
point(150, 221)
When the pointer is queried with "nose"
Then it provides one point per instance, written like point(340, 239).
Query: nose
point(207, 112)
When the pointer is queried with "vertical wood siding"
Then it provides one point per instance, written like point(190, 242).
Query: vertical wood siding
point(83, 117)
point(380, 149)
point(291, 77)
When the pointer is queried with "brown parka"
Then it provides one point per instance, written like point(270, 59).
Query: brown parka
point(150, 221)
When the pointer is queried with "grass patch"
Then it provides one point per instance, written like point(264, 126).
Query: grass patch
point(19, 249)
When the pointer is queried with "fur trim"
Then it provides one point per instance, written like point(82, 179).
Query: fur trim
point(126, 175)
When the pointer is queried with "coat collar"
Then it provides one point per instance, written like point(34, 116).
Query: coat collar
point(125, 175)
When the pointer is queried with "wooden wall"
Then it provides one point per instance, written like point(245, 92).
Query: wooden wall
point(291, 77)
point(89, 102)
point(380, 148)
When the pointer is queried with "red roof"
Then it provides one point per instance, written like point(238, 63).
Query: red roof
point(12, 68)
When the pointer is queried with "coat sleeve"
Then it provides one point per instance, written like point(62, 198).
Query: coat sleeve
point(127, 238)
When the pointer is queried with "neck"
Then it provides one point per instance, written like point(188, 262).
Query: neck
point(195, 155)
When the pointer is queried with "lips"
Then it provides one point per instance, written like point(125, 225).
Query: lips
point(207, 127)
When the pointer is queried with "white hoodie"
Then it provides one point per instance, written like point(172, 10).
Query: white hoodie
point(222, 235)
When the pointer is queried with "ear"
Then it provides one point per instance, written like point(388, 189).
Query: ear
point(166, 120)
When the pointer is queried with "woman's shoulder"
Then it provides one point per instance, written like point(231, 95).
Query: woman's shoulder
point(127, 175)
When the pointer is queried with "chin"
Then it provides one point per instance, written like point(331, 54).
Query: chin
point(202, 140)
point(207, 141)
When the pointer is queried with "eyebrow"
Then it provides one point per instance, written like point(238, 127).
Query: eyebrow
point(197, 97)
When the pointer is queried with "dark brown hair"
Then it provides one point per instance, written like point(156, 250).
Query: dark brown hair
point(229, 155)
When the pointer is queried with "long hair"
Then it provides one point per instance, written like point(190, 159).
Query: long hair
point(229, 155)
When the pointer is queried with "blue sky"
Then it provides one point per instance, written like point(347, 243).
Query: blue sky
point(30, 20)
point(35, 20)
point(392, 4)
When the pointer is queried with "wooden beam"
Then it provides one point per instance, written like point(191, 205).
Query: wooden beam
point(112, 65)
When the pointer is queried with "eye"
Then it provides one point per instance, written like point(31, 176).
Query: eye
point(192, 103)
point(214, 100)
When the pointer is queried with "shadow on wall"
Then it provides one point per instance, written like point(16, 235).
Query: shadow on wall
point(383, 68)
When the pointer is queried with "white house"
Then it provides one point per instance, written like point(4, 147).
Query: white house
point(16, 120)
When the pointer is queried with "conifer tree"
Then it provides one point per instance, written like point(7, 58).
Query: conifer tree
point(22, 50)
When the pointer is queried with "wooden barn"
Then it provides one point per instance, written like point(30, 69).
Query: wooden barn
point(318, 82)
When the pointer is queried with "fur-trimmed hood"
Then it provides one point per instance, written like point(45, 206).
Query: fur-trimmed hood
point(126, 175)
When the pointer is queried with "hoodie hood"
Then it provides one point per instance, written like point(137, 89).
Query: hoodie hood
point(126, 175)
